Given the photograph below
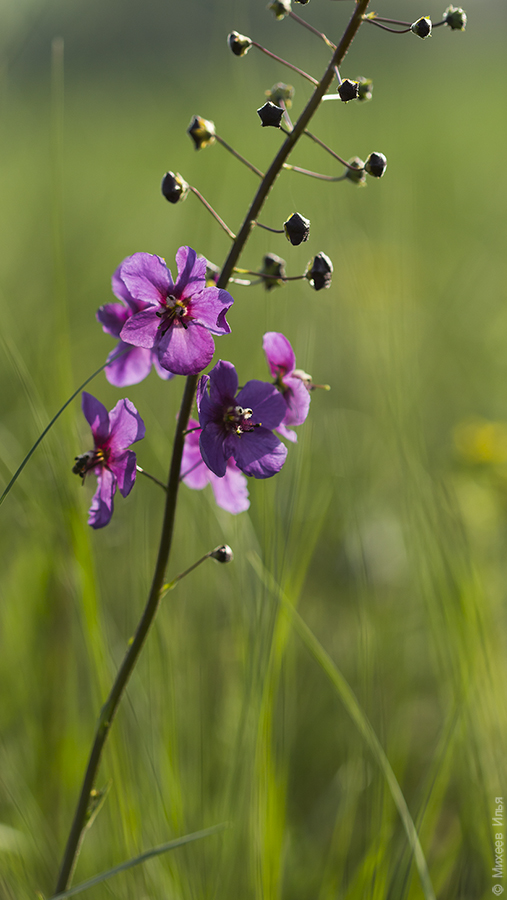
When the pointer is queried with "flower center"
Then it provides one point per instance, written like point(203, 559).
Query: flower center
point(236, 419)
point(89, 460)
point(174, 311)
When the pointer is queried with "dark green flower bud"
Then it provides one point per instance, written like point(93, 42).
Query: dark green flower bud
point(297, 229)
point(365, 88)
point(273, 270)
point(455, 18)
point(239, 43)
point(270, 114)
point(281, 92)
point(422, 28)
point(319, 271)
point(348, 90)
point(174, 187)
point(281, 8)
point(222, 554)
point(202, 132)
point(376, 164)
point(357, 174)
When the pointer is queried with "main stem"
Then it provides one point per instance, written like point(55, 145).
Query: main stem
point(110, 707)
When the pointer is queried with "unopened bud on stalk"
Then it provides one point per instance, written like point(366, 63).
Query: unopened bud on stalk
point(202, 132)
point(365, 88)
point(356, 174)
point(239, 43)
point(422, 28)
point(281, 92)
point(302, 2)
point(273, 271)
point(297, 229)
point(222, 554)
point(319, 271)
point(455, 18)
point(174, 187)
point(348, 90)
point(376, 164)
point(281, 8)
point(270, 114)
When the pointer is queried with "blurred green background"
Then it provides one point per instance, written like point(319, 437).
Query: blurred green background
point(387, 526)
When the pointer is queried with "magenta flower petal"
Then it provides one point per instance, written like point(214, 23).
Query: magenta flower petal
point(186, 351)
point(209, 309)
point(126, 427)
point(191, 272)
point(129, 365)
point(267, 404)
point(160, 370)
point(124, 470)
point(297, 398)
point(230, 491)
point(112, 317)
point(141, 329)
point(146, 278)
point(101, 509)
point(97, 417)
point(212, 448)
point(287, 433)
point(279, 353)
point(260, 457)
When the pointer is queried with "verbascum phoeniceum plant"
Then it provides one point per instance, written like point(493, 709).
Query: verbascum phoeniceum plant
point(228, 428)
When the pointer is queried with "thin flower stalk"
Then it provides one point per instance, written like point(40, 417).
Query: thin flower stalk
point(289, 65)
point(151, 477)
point(215, 215)
point(111, 705)
point(314, 174)
point(320, 34)
point(241, 158)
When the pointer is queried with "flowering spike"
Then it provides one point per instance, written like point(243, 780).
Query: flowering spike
point(365, 88)
point(281, 93)
point(270, 114)
point(202, 132)
point(222, 554)
point(113, 464)
point(239, 43)
point(422, 28)
point(376, 165)
point(281, 8)
point(273, 271)
point(297, 229)
point(319, 271)
point(456, 18)
point(348, 90)
point(174, 187)
point(356, 174)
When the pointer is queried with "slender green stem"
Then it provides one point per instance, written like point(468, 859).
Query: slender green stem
point(284, 62)
point(111, 705)
point(319, 34)
point(242, 159)
point(314, 174)
point(267, 228)
point(215, 215)
point(151, 477)
point(324, 146)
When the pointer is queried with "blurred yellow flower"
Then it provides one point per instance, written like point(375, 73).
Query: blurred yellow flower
point(480, 441)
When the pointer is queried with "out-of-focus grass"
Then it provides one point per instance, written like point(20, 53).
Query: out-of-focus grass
point(391, 548)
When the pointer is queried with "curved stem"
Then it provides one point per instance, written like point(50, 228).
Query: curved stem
point(284, 62)
point(241, 158)
point(111, 705)
point(210, 209)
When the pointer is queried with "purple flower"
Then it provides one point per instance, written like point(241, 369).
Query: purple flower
point(127, 364)
point(239, 426)
point(178, 318)
point(111, 462)
point(230, 491)
point(291, 382)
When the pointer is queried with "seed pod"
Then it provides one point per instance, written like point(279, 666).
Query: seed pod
point(319, 271)
point(365, 88)
point(273, 270)
point(422, 28)
point(281, 8)
point(297, 229)
point(222, 554)
point(174, 187)
point(270, 114)
point(357, 174)
point(202, 132)
point(348, 90)
point(281, 92)
point(455, 18)
point(239, 43)
point(376, 164)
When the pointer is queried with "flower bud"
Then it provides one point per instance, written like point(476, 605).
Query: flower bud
point(281, 8)
point(297, 229)
point(281, 92)
point(174, 187)
point(270, 114)
point(348, 90)
point(376, 164)
point(365, 88)
point(422, 28)
point(319, 271)
point(222, 554)
point(239, 43)
point(202, 132)
point(302, 2)
point(273, 270)
point(455, 18)
point(356, 174)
